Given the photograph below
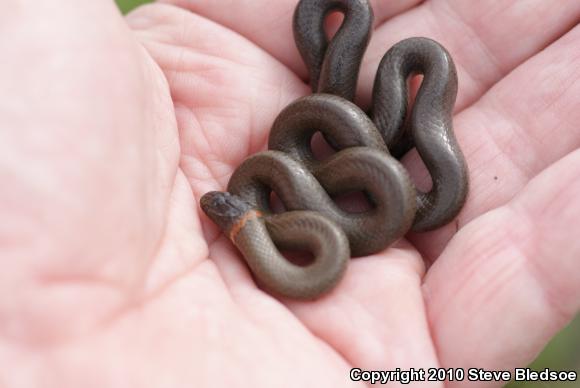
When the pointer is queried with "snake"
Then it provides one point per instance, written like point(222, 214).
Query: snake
point(334, 67)
point(363, 162)
point(306, 186)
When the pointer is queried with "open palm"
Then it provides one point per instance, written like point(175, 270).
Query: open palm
point(111, 131)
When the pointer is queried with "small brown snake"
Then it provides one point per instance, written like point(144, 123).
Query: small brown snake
point(305, 185)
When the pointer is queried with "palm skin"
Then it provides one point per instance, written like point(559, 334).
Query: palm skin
point(112, 130)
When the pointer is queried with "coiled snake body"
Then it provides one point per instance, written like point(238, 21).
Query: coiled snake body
point(305, 185)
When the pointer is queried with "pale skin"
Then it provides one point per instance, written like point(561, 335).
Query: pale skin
point(112, 129)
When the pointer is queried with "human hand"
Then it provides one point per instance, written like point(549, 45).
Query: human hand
point(113, 277)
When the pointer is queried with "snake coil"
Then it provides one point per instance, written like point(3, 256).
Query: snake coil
point(305, 185)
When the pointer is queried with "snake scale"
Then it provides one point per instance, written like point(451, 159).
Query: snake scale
point(306, 186)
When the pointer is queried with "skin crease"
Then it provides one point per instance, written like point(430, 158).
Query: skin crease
point(113, 277)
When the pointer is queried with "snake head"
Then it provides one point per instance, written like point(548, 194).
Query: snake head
point(225, 210)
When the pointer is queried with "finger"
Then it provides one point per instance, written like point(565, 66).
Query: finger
point(509, 281)
point(524, 124)
point(486, 39)
point(226, 90)
point(269, 23)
